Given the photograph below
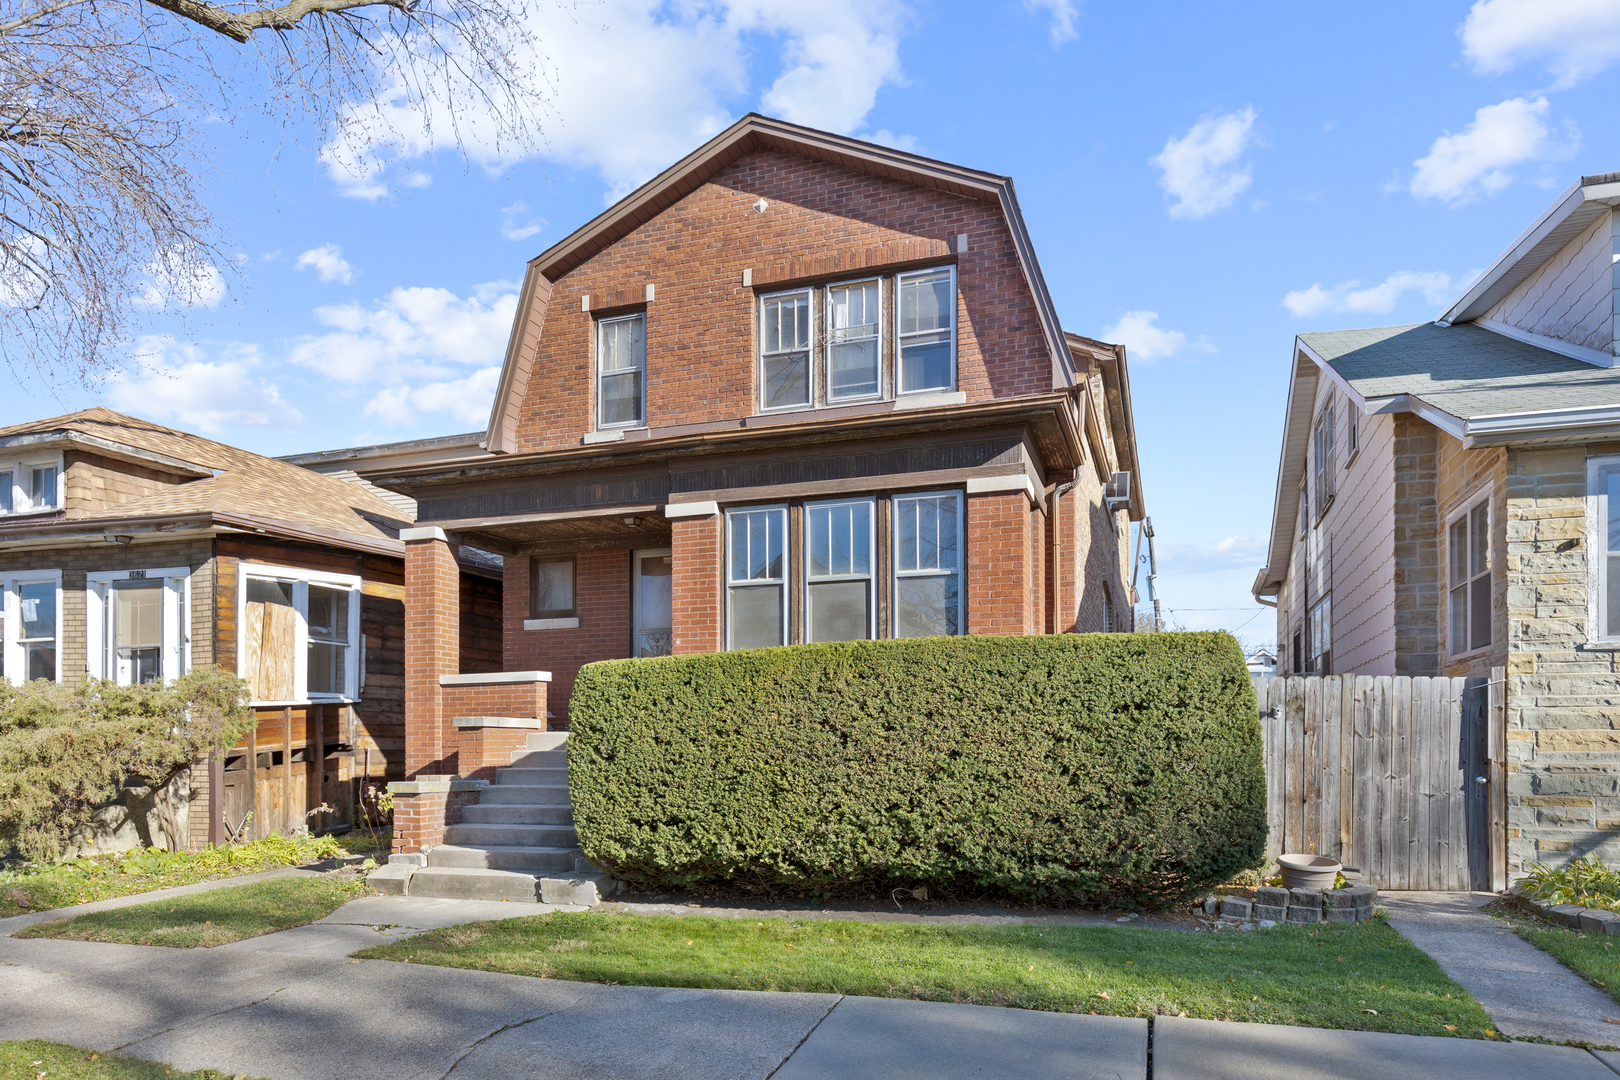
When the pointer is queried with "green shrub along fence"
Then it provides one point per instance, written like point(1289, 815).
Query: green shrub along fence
point(1124, 767)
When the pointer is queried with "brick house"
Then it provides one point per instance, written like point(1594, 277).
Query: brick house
point(134, 552)
point(796, 388)
point(1443, 508)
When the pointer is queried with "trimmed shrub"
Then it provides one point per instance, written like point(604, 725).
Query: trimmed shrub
point(1115, 766)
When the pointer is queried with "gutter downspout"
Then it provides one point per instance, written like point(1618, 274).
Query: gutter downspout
point(1057, 551)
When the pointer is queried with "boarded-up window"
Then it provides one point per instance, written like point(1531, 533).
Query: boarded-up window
point(269, 627)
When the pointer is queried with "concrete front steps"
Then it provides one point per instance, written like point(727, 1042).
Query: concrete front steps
point(517, 843)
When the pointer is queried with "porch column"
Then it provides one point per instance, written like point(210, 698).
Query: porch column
point(697, 545)
point(432, 642)
point(1001, 578)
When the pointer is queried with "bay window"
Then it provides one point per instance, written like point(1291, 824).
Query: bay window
point(136, 629)
point(32, 627)
point(838, 571)
point(1468, 577)
point(300, 635)
point(926, 315)
point(785, 350)
point(927, 565)
point(621, 371)
point(756, 577)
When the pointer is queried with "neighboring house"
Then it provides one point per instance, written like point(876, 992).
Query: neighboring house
point(796, 388)
point(133, 552)
point(1444, 507)
point(1262, 662)
point(343, 463)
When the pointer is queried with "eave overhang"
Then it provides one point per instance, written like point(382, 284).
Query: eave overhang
point(66, 531)
point(66, 438)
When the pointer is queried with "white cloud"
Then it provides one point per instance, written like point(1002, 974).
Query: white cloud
point(179, 277)
point(1478, 160)
point(1064, 15)
point(328, 263)
point(1143, 340)
point(1375, 299)
point(178, 383)
point(1234, 552)
point(517, 223)
point(412, 333)
point(1576, 38)
point(1201, 170)
point(640, 83)
point(466, 400)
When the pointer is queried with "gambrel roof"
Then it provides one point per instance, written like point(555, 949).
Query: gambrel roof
point(751, 134)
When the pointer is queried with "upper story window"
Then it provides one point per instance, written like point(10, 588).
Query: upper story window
point(785, 350)
point(30, 487)
point(1323, 453)
point(1468, 576)
point(927, 330)
point(854, 341)
point(135, 625)
point(1603, 549)
point(300, 634)
point(32, 626)
point(621, 371)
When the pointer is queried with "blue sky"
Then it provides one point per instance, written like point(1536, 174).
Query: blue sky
point(1202, 182)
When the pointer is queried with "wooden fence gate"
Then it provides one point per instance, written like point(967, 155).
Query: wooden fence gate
point(1401, 778)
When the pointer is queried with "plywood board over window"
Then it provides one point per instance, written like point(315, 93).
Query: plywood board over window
point(269, 640)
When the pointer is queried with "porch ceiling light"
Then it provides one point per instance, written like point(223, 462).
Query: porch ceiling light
point(633, 522)
point(119, 539)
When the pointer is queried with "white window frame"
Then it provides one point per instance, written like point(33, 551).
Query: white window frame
point(1598, 471)
point(826, 309)
point(783, 583)
point(896, 574)
point(810, 363)
point(900, 339)
point(596, 350)
point(13, 619)
point(301, 580)
point(22, 475)
point(872, 555)
point(1479, 496)
point(176, 637)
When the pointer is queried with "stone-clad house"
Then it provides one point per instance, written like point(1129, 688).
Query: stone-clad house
point(796, 388)
point(133, 552)
point(1448, 502)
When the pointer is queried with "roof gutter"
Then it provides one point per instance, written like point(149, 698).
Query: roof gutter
point(166, 526)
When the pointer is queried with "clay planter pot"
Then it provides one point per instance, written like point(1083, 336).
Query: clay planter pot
point(1308, 871)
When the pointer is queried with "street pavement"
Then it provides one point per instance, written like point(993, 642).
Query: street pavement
point(293, 1006)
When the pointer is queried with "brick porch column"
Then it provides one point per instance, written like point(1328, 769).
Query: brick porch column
point(698, 545)
point(1001, 579)
point(432, 642)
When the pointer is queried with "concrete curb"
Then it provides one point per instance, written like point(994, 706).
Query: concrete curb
point(17, 922)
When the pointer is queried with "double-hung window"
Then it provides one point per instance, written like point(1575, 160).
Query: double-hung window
point(927, 565)
point(838, 570)
point(1468, 577)
point(926, 316)
point(621, 371)
point(756, 577)
point(135, 623)
point(786, 350)
point(1323, 451)
point(30, 487)
point(854, 340)
point(300, 634)
point(1603, 549)
point(33, 630)
point(1319, 635)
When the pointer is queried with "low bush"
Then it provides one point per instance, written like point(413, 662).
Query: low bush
point(1124, 767)
point(1584, 881)
point(66, 751)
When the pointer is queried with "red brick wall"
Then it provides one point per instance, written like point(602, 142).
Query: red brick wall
point(999, 575)
point(696, 586)
point(478, 752)
point(420, 820)
point(602, 599)
point(700, 328)
point(432, 647)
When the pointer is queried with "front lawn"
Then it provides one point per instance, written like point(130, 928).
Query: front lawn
point(101, 877)
point(32, 1059)
point(211, 918)
point(1364, 977)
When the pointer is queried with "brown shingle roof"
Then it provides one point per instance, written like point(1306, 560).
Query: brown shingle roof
point(244, 485)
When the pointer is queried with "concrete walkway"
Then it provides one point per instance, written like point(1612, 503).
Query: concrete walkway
point(292, 1006)
point(1526, 991)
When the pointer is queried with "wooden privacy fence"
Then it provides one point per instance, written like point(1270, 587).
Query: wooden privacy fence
point(1401, 778)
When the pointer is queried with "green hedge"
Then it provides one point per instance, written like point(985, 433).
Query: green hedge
point(1116, 766)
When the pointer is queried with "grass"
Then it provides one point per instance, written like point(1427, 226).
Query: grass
point(101, 877)
point(1594, 957)
point(211, 918)
point(1364, 977)
point(33, 1059)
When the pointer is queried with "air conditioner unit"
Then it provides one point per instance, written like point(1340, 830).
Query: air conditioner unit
point(1117, 493)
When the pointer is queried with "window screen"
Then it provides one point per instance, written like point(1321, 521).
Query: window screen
point(853, 319)
point(927, 565)
point(756, 595)
point(838, 568)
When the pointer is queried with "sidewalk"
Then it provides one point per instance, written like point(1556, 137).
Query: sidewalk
point(291, 1006)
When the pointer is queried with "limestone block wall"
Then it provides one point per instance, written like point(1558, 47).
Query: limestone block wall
point(1563, 696)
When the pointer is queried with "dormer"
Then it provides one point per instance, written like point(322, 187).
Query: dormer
point(71, 472)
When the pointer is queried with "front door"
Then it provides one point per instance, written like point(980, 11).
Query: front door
point(653, 596)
